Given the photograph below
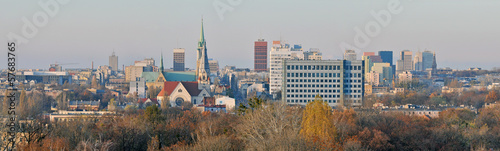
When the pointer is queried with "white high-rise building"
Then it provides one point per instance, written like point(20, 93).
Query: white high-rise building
point(338, 82)
point(279, 52)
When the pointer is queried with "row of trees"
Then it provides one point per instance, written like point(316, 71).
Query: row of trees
point(265, 125)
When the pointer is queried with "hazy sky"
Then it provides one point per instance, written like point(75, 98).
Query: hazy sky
point(462, 33)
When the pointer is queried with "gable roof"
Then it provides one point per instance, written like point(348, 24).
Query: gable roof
point(168, 88)
point(192, 88)
point(143, 100)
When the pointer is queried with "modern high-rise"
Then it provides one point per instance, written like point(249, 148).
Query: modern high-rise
point(179, 58)
point(260, 55)
point(386, 56)
point(279, 52)
point(350, 55)
point(406, 61)
point(113, 62)
point(338, 82)
point(313, 54)
point(427, 60)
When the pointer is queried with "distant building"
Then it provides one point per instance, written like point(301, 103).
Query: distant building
point(405, 63)
point(179, 92)
point(214, 65)
point(81, 105)
point(350, 55)
point(133, 72)
point(179, 56)
point(313, 54)
point(279, 52)
point(45, 77)
point(338, 82)
point(423, 60)
point(260, 55)
point(138, 86)
point(405, 76)
point(113, 62)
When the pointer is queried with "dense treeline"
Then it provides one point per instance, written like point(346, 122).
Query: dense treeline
point(269, 126)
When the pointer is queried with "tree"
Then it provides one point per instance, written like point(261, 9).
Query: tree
point(152, 114)
point(491, 97)
point(317, 123)
point(23, 104)
point(165, 103)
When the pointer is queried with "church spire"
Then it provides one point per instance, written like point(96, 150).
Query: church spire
point(202, 34)
point(161, 63)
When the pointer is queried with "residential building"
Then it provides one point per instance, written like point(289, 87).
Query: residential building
point(214, 65)
point(405, 76)
point(313, 54)
point(138, 86)
point(179, 59)
point(350, 55)
point(279, 52)
point(338, 82)
point(260, 55)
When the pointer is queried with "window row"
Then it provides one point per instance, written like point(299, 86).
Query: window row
point(313, 91)
point(312, 80)
point(321, 67)
point(329, 75)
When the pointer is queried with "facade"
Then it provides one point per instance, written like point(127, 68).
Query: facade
point(373, 78)
point(405, 76)
point(313, 54)
point(386, 56)
point(84, 105)
point(427, 60)
point(279, 52)
point(113, 62)
point(138, 86)
point(406, 56)
point(260, 55)
point(179, 92)
point(45, 77)
point(338, 82)
point(133, 72)
point(214, 65)
point(179, 59)
point(350, 55)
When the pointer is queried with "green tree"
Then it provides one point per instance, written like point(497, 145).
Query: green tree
point(152, 114)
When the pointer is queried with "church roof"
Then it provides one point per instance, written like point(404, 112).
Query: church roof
point(169, 76)
point(169, 87)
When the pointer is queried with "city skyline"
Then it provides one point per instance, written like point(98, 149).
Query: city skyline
point(76, 35)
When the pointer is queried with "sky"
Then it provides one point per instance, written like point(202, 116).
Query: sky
point(463, 33)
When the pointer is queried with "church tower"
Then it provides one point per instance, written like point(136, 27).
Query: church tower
point(202, 66)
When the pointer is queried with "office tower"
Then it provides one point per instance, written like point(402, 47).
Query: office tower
point(350, 55)
point(338, 82)
point(260, 55)
point(386, 56)
point(279, 52)
point(202, 65)
point(427, 60)
point(313, 54)
point(214, 65)
point(179, 56)
point(406, 56)
point(113, 62)
point(417, 61)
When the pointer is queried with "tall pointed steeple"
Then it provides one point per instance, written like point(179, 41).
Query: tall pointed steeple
point(202, 66)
